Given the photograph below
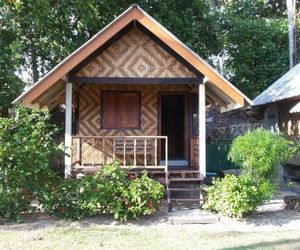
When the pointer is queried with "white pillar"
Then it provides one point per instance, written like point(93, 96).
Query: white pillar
point(202, 130)
point(68, 130)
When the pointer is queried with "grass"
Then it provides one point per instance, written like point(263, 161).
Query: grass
point(95, 236)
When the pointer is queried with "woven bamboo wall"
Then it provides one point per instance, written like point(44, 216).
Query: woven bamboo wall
point(90, 108)
point(289, 123)
point(135, 55)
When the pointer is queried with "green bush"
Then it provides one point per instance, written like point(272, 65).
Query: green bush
point(258, 153)
point(12, 203)
point(109, 191)
point(138, 198)
point(25, 145)
point(236, 196)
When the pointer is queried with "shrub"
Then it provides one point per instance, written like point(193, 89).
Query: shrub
point(109, 191)
point(259, 153)
point(138, 198)
point(236, 196)
point(25, 145)
point(12, 203)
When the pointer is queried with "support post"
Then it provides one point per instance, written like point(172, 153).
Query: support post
point(202, 130)
point(68, 131)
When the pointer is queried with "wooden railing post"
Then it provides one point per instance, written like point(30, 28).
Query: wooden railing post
point(155, 152)
point(93, 152)
point(78, 151)
point(145, 152)
point(124, 152)
point(134, 152)
point(114, 149)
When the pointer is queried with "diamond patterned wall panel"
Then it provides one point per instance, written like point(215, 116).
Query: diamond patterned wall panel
point(135, 55)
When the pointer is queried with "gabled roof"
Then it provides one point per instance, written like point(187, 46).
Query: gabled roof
point(286, 87)
point(53, 80)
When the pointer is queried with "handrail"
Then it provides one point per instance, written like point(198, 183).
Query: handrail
point(121, 137)
point(131, 151)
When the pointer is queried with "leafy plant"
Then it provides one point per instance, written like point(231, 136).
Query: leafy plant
point(25, 145)
point(259, 152)
point(139, 198)
point(109, 191)
point(236, 196)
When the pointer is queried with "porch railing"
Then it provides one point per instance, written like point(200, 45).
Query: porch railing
point(130, 151)
point(194, 144)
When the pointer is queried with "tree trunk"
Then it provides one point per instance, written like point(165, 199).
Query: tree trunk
point(5, 112)
point(291, 10)
point(35, 73)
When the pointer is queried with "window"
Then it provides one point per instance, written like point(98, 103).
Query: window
point(120, 109)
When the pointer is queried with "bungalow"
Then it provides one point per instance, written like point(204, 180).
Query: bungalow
point(281, 104)
point(132, 94)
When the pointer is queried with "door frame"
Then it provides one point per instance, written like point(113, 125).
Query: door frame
point(186, 119)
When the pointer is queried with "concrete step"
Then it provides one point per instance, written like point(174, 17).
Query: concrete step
point(194, 216)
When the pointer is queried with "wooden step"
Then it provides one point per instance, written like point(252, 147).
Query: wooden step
point(184, 189)
point(185, 179)
point(187, 199)
point(184, 171)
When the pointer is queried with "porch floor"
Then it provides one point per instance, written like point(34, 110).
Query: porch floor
point(89, 169)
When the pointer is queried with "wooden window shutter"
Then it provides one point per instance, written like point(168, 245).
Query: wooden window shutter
point(109, 110)
point(129, 107)
point(120, 110)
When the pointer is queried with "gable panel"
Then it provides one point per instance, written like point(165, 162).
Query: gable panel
point(135, 55)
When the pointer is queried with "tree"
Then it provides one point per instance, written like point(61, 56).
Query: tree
point(10, 84)
point(291, 11)
point(254, 37)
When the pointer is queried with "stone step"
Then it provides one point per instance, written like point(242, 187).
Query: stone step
point(192, 217)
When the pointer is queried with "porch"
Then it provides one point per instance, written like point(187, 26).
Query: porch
point(90, 153)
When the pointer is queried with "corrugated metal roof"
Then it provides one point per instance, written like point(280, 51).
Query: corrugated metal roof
point(287, 86)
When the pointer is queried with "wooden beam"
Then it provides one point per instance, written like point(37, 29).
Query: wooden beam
point(209, 100)
point(136, 80)
point(214, 96)
point(202, 130)
point(57, 101)
point(68, 131)
point(54, 98)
